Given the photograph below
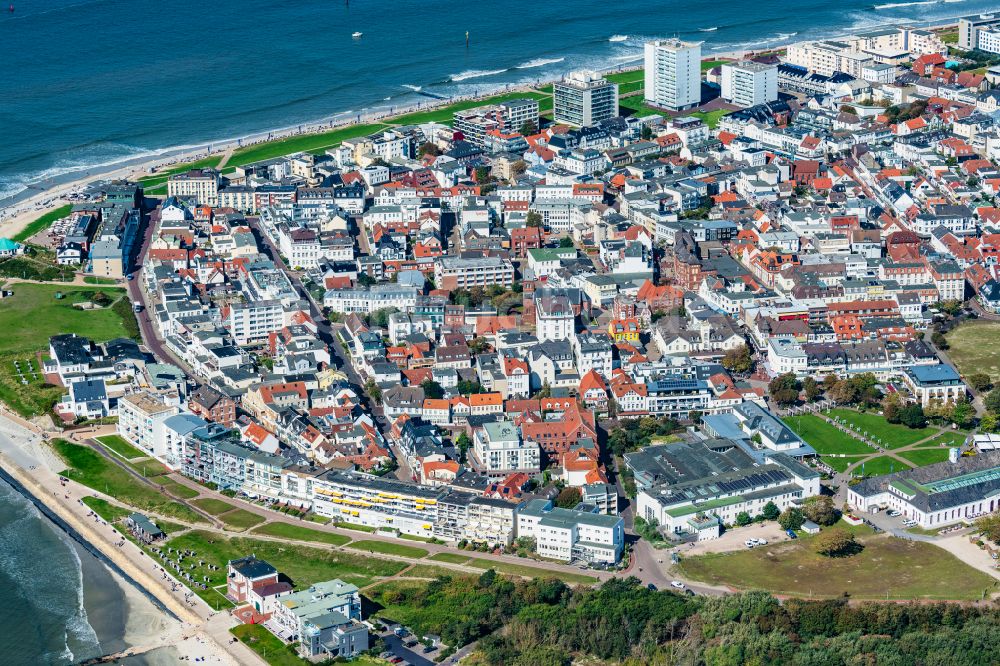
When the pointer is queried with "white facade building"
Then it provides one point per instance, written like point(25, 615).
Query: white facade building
point(749, 83)
point(673, 73)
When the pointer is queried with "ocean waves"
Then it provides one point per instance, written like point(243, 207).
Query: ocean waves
point(539, 62)
point(897, 5)
point(475, 74)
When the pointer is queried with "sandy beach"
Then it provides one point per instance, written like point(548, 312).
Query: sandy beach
point(195, 632)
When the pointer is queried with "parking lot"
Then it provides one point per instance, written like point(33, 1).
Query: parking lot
point(734, 539)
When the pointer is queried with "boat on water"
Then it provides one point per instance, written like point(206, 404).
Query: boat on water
point(357, 35)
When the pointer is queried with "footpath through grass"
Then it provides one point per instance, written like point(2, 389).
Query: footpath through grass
point(451, 558)
point(887, 568)
point(303, 564)
point(531, 572)
point(118, 445)
point(86, 466)
point(388, 548)
point(287, 531)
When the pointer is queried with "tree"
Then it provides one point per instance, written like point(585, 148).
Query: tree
point(468, 387)
point(784, 389)
point(892, 405)
point(647, 133)
point(529, 127)
point(770, 511)
point(566, 242)
point(912, 416)
point(432, 389)
point(820, 510)
point(938, 340)
point(980, 382)
point(429, 148)
point(791, 518)
point(518, 168)
point(835, 543)
point(478, 345)
point(962, 413)
point(989, 525)
point(365, 280)
point(992, 400)
point(847, 108)
point(373, 390)
point(738, 360)
point(482, 175)
point(811, 388)
point(568, 498)
point(534, 219)
point(743, 518)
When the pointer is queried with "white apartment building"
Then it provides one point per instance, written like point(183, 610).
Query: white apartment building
point(202, 184)
point(554, 318)
point(570, 534)
point(462, 273)
point(140, 419)
point(673, 73)
point(749, 83)
point(499, 451)
point(584, 98)
point(368, 300)
point(250, 323)
point(820, 57)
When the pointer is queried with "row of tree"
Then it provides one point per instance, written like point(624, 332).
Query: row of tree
point(625, 623)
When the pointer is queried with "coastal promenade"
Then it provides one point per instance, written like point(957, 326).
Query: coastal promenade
point(197, 631)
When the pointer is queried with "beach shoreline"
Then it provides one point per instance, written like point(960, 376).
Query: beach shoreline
point(25, 207)
point(165, 619)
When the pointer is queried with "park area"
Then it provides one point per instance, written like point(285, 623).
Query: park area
point(975, 347)
point(34, 314)
point(886, 568)
point(840, 450)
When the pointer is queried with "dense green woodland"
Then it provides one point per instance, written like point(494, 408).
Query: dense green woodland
point(546, 623)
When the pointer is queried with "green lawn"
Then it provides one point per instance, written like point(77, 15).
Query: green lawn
point(212, 505)
point(880, 465)
point(973, 348)
point(90, 279)
point(451, 558)
point(892, 435)
point(531, 572)
point(887, 567)
point(162, 176)
point(312, 143)
point(841, 464)
point(709, 64)
point(304, 565)
point(105, 509)
point(42, 223)
point(626, 77)
point(177, 488)
point(954, 438)
point(240, 519)
point(33, 315)
point(88, 467)
point(921, 457)
point(287, 531)
point(388, 548)
point(430, 571)
point(444, 114)
point(824, 437)
point(120, 446)
point(31, 399)
point(711, 118)
point(267, 646)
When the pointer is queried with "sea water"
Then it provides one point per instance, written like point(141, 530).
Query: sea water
point(86, 84)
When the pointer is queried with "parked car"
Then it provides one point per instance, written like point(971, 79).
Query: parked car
point(651, 587)
point(677, 584)
point(749, 543)
point(791, 534)
point(761, 542)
